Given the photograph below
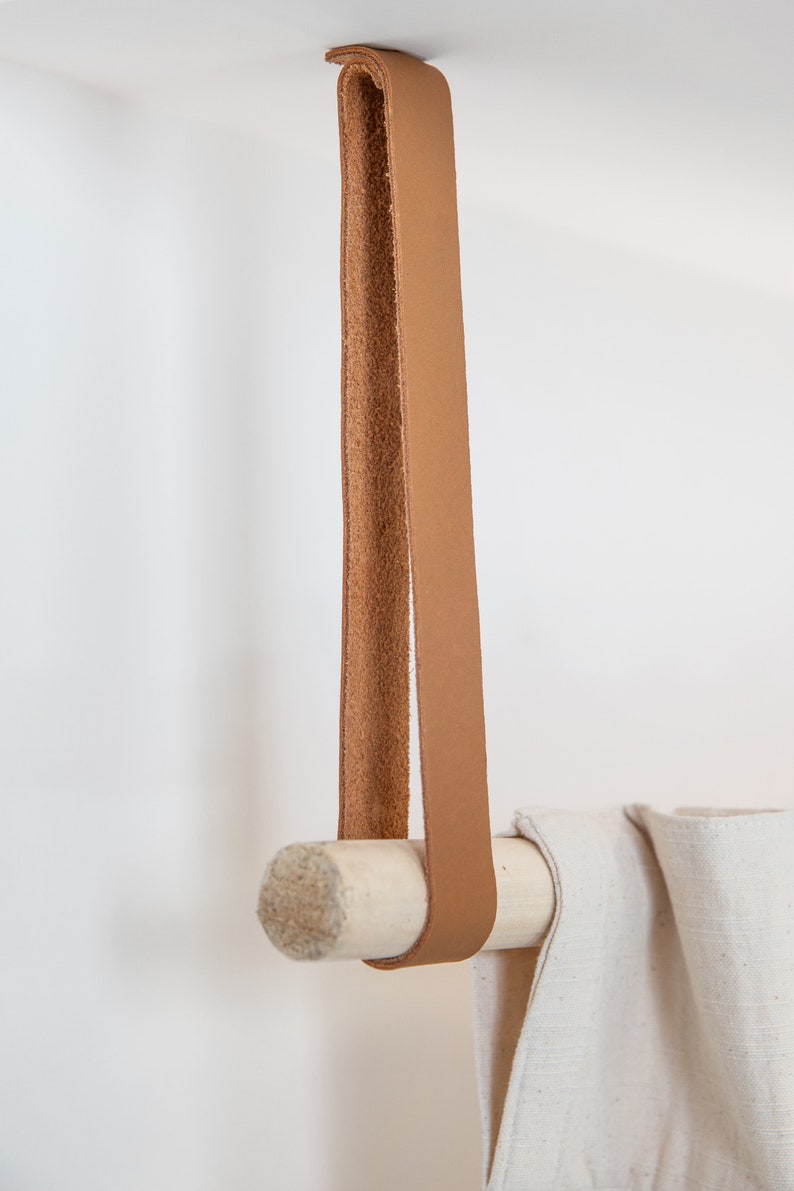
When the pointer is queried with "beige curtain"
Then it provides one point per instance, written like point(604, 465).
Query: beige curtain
point(649, 1044)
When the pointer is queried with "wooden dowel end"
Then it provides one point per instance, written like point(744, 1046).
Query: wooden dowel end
point(367, 899)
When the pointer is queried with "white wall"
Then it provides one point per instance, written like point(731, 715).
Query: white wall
point(632, 429)
point(170, 525)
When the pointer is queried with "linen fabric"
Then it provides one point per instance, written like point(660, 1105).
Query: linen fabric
point(648, 1045)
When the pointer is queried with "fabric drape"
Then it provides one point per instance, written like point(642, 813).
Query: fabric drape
point(649, 1044)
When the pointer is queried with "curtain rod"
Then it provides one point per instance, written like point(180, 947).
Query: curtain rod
point(368, 899)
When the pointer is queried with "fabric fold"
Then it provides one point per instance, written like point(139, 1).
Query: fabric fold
point(654, 1046)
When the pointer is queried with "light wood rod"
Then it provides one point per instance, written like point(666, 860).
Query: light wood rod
point(367, 899)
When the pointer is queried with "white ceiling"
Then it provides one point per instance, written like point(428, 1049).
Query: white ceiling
point(662, 126)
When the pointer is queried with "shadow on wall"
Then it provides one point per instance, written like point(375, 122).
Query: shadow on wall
point(398, 1079)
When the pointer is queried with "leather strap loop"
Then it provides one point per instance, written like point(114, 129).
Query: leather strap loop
point(407, 496)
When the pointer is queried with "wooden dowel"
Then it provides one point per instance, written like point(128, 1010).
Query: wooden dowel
point(367, 899)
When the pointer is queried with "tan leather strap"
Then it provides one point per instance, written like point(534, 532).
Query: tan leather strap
point(407, 496)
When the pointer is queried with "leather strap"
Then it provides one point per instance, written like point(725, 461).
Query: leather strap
point(407, 496)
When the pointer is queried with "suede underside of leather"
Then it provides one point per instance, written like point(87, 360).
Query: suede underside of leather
point(375, 732)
